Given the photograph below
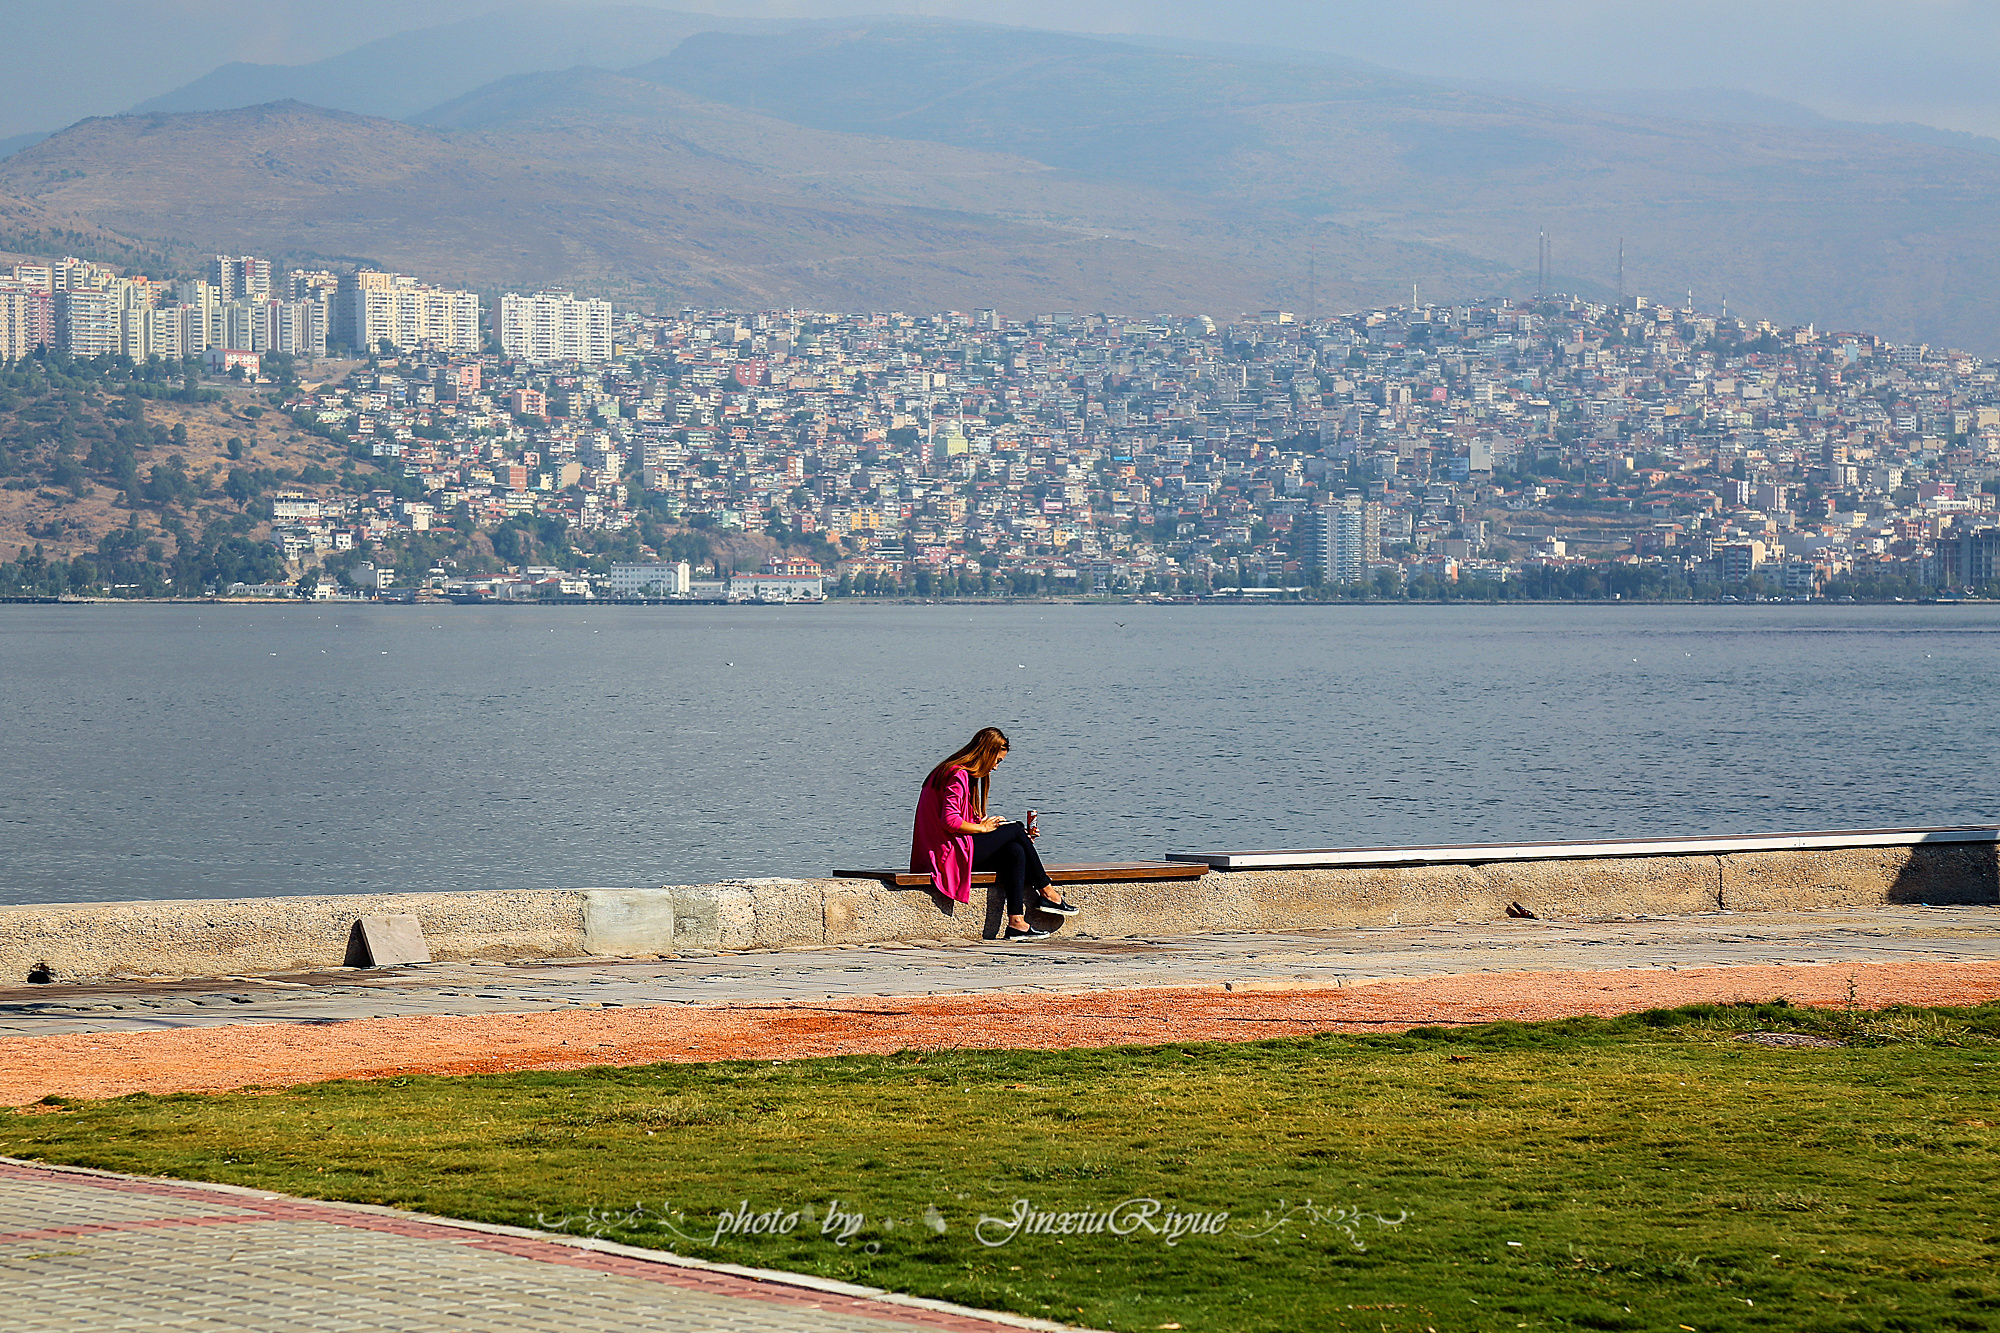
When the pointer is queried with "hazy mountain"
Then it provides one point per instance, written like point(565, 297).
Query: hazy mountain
point(1724, 105)
point(15, 143)
point(1699, 104)
point(670, 216)
point(902, 164)
point(1104, 108)
point(400, 75)
point(1796, 222)
point(403, 73)
point(647, 134)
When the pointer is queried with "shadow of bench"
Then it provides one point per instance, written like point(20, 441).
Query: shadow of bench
point(1074, 872)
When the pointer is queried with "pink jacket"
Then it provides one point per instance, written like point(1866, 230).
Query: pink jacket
point(937, 848)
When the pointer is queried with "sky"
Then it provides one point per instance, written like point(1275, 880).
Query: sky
point(1928, 61)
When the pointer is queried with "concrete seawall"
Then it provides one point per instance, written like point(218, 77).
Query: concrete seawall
point(84, 941)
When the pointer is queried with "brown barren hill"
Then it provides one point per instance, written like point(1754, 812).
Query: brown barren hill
point(31, 230)
point(621, 201)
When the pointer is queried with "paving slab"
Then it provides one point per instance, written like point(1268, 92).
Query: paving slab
point(1066, 962)
point(86, 1251)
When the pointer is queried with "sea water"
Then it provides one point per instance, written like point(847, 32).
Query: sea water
point(194, 751)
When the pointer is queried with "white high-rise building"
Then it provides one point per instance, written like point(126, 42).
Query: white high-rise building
point(240, 277)
point(377, 307)
point(180, 331)
point(553, 326)
point(141, 318)
point(69, 273)
point(88, 321)
point(242, 326)
point(140, 328)
point(296, 327)
point(1345, 537)
point(146, 321)
point(321, 288)
point(27, 319)
point(311, 285)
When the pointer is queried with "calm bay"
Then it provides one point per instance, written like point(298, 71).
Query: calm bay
point(212, 751)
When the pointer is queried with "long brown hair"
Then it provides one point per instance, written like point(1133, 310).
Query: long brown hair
point(977, 757)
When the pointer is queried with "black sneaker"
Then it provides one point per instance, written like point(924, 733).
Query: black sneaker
point(1029, 934)
point(1056, 908)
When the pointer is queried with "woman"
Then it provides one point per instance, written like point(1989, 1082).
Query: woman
point(954, 837)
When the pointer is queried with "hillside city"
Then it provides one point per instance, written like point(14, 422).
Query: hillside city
point(1548, 448)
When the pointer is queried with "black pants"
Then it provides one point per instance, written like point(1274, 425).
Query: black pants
point(1010, 854)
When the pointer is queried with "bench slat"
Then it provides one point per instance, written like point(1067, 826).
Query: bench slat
point(1073, 872)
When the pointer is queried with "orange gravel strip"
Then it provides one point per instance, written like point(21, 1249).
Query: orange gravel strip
point(214, 1059)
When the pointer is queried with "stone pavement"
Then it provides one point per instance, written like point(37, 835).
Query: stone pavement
point(90, 1252)
point(1063, 963)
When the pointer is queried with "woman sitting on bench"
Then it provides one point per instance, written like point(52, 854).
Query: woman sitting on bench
point(954, 837)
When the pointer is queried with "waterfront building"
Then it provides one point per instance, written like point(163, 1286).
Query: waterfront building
point(672, 580)
point(1345, 538)
point(1971, 558)
point(776, 588)
point(1737, 561)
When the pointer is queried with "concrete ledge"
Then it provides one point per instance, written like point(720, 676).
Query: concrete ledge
point(209, 937)
point(84, 941)
point(1940, 873)
point(1481, 853)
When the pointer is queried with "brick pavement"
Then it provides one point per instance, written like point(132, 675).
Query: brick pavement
point(86, 1252)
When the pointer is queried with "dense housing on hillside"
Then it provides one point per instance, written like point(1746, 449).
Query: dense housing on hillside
point(1557, 447)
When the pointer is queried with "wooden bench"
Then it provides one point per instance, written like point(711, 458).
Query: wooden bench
point(1075, 872)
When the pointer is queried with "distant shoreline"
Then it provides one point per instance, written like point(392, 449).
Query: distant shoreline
point(957, 602)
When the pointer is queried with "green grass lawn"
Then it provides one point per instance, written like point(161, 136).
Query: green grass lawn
point(1642, 1173)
